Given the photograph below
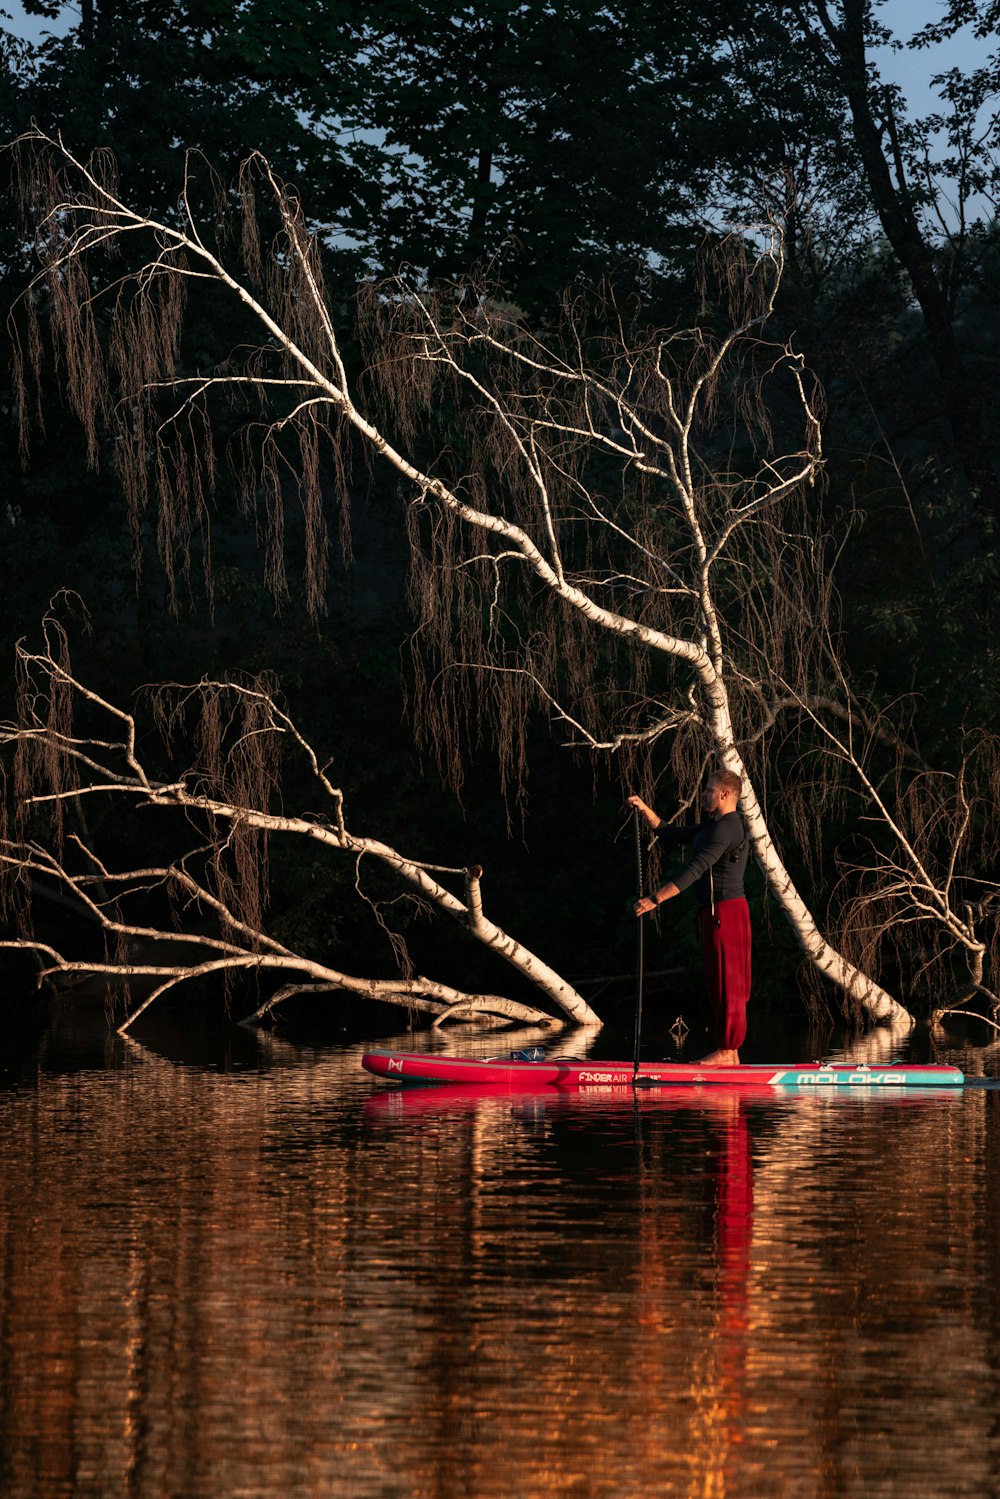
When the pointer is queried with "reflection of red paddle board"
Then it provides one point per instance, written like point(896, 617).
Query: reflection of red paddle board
point(521, 1076)
point(466, 1098)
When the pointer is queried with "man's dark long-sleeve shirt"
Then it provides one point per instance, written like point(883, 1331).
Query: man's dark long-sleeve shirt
point(716, 856)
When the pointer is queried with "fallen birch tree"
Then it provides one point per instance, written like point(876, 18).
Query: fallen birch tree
point(614, 527)
point(227, 793)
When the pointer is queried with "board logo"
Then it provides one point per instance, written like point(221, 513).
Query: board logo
point(848, 1079)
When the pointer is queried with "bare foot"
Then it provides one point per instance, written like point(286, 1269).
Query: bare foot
point(721, 1058)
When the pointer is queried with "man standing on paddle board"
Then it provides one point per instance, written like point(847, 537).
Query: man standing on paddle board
point(718, 859)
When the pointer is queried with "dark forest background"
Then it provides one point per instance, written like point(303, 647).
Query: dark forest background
point(570, 147)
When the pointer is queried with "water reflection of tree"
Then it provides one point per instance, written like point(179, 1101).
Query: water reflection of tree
point(218, 1278)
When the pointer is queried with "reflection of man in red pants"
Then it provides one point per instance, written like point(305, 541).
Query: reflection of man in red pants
point(718, 859)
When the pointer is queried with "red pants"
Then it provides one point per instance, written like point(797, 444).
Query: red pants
point(725, 947)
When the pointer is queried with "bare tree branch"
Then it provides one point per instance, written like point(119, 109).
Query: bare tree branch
point(240, 729)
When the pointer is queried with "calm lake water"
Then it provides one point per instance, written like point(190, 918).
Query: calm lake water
point(259, 1272)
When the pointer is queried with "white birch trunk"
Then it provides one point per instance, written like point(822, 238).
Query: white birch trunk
point(470, 915)
point(833, 965)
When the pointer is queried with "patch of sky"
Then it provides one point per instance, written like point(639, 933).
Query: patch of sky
point(34, 28)
point(913, 68)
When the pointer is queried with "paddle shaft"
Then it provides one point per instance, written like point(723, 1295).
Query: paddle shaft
point(639, 949)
